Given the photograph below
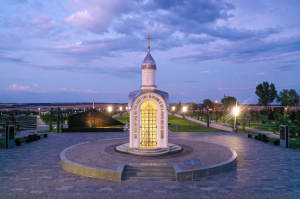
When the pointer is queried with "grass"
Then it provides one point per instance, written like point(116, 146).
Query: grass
point(2, 143)
point(123, 118)
point(47, 131)
point(184, 125)
point(264, 127)
point(294, 144)
point(187, 126)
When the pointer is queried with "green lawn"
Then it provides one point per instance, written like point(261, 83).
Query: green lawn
point(294, 144)
point(123, 118)
point(264, 127)
point(184, 125)
point(187, 126)
point(2, 143)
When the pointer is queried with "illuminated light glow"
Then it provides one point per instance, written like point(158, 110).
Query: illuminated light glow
point(148, 124)
point(173, 108)
point(184, 109)
point(121, 108)
point(236, 111)
point(109, 109)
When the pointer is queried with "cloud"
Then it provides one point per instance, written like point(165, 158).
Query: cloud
point(262, 74)
point(36, 85)
point(89, 91)
point(10, 59)
point(18, 1)
point(16, 87)
point(97, 16)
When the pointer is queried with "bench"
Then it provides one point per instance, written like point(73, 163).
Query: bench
point(36, 136)
point(255, 136)
point(45, 135)
point(25, 139)
point(30, 138)
point(264, 138)
point(275, 141)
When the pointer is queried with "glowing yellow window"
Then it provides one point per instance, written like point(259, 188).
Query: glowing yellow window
point(148, 124)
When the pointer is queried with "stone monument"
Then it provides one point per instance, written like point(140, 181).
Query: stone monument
point(148, 115)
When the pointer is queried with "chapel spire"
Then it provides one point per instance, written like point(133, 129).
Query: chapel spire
point(148, 42)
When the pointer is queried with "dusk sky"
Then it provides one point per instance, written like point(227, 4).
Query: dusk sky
point(85, 50)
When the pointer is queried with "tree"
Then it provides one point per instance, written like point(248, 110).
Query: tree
point(288, 98)
point(51, 115)
point(243, 124)
point(228, 101)
point(192, 106)
point(207, 103)
point(266, 93)
point(178, 107)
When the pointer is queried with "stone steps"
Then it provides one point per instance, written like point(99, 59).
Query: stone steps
point(149, 172)
point(172, 148)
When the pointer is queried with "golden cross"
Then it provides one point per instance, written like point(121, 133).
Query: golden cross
point(148, 41)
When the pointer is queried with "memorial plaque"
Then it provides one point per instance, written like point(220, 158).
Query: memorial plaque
point(284, 136)
point(9, 136)
point(282, 132)
point(192, 162)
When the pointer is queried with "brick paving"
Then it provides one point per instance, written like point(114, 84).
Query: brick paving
point(102, 154)
point(263, 171)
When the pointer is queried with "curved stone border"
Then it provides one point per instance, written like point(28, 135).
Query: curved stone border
point(182, 175)
point(90, 171)
point(150, 152)
point(116, 175)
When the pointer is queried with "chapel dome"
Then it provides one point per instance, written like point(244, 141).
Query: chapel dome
point(148, 62)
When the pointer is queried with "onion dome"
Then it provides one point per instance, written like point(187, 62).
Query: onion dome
point(148, 62)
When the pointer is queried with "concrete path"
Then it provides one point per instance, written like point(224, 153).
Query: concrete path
point(40, 127)
point(213, 125)
point(263, 171)
point(227, 128)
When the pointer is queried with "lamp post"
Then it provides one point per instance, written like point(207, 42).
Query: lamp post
point(110, 110)
point(207, 116)
point(249, 115)
point(184, 109)
point(121, 109)
point(236, 112)
point(39, 112)
point(216, 107)
point(173, 110)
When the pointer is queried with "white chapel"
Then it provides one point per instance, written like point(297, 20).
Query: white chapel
point(148, 108)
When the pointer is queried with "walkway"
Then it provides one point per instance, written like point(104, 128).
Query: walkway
point(40, 127)
point(215, 125)
point(263, 171)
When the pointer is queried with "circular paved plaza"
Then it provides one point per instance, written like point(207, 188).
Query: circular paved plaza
point(263, 171)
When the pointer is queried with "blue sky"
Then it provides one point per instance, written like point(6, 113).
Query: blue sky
point(85, 50)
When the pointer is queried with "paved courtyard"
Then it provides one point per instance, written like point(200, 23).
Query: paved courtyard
point(263, 171)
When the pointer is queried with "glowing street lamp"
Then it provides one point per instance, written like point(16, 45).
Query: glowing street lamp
point(173, 109)
point(184, 109)
point(216, 107)
point(236, 112)
point(109, 109)
point(39, 111)
point(121, 109)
